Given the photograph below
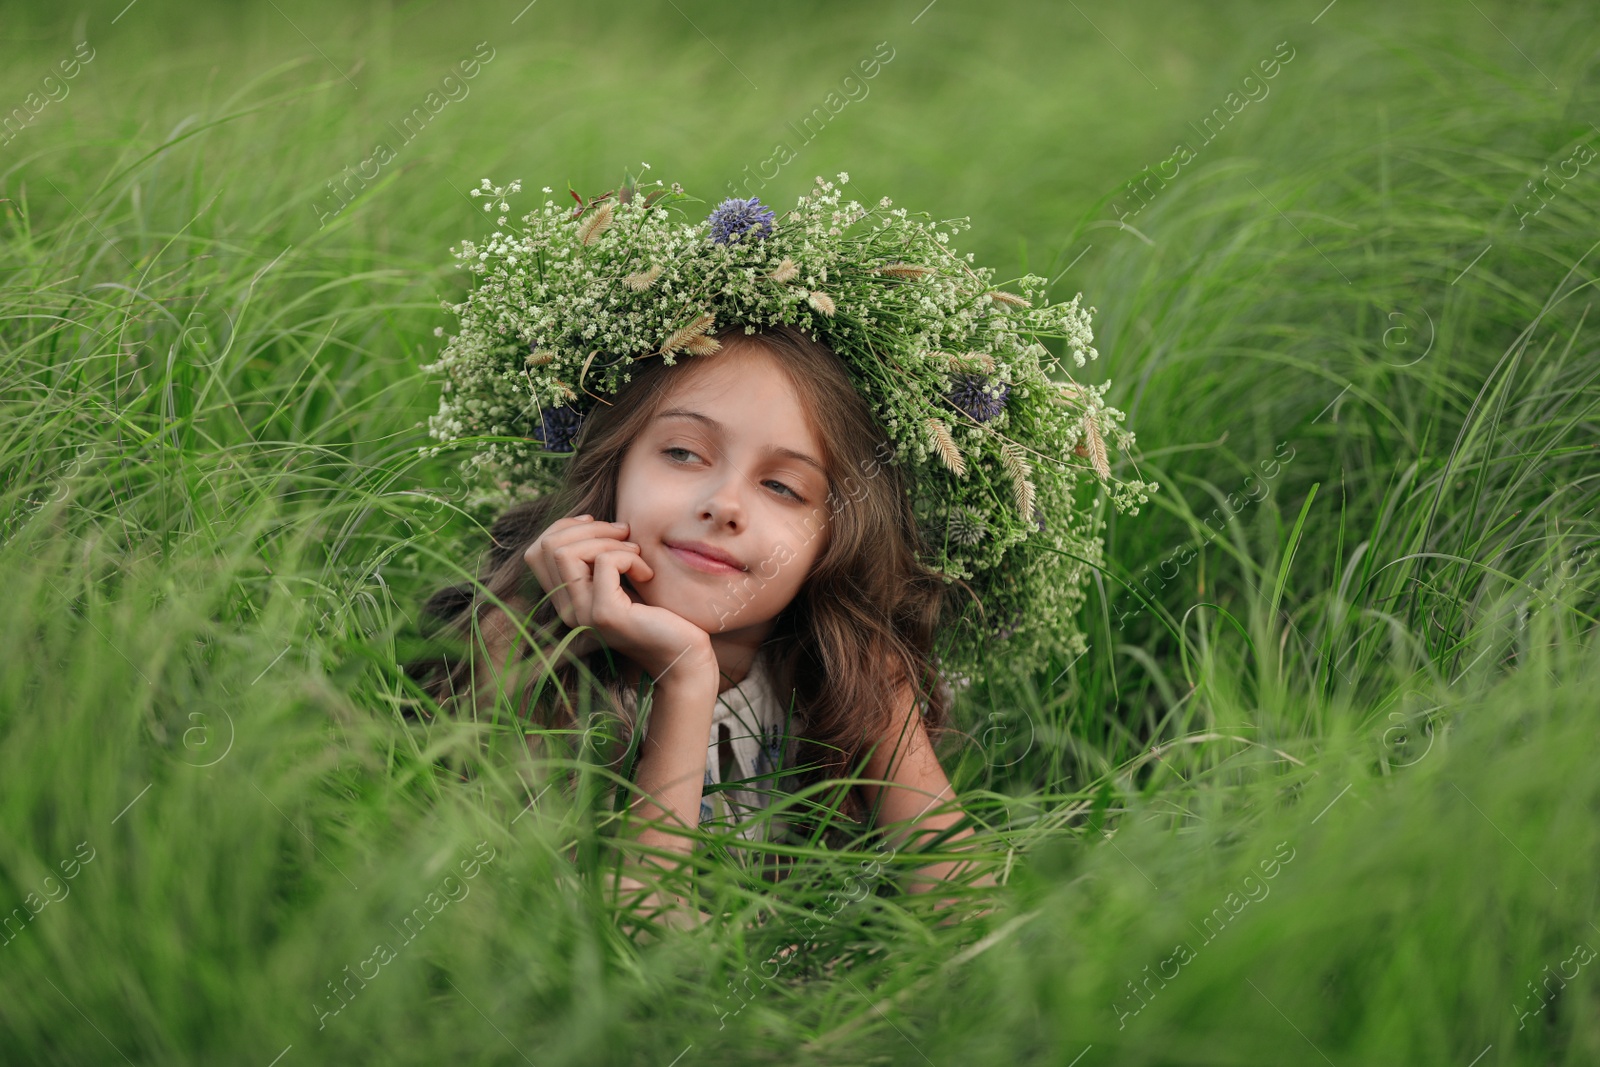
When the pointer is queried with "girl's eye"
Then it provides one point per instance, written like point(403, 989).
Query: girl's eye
point(780, 485)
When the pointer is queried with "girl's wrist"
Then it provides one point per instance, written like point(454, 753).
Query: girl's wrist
point(692, 672)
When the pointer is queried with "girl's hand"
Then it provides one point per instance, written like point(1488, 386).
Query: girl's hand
point(580, 562)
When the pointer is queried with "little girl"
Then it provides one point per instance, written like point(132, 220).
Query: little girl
point(700, 538)
point(800, 449)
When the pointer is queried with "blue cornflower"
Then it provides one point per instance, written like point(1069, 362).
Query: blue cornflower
point(979, 397)
point(733, 218)
point(558, 428)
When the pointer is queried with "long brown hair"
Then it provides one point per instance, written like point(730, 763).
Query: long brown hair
point(869, 600)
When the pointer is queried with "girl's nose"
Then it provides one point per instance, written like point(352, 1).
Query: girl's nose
point(724, 505)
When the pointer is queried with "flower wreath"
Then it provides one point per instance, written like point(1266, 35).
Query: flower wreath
point(953, 366)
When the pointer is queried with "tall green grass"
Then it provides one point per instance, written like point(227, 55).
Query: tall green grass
point(217, 531)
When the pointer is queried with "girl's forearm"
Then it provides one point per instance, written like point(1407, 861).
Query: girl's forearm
point(938, 875)
point(942, 876)
point(949, 871)
point(672, 764)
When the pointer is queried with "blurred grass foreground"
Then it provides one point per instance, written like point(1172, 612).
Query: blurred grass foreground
point(1323, 789)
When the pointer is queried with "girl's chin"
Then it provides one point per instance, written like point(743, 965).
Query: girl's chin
point(712, 616)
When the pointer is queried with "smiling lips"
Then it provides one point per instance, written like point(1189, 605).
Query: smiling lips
point(705, 558)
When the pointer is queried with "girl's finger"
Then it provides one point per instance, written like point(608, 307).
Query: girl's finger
point(558, 536)
point(562, 556)
point(567, 529)
point(609, 596)
point(575, 586)
point(593, 544)
point(561, 534)
point(607, 586)
point(547, 567)
point(636, 567)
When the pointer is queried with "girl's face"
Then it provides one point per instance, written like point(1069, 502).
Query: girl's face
point(729, 465)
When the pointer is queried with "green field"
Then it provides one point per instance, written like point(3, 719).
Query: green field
point(1321, 791)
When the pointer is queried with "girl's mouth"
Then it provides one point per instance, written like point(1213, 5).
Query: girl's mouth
point(701, 563)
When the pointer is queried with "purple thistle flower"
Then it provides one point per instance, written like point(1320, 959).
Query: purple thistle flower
point(733, 218)
point(979, 397)
point(558, 428)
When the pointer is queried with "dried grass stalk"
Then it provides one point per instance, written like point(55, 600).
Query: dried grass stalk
point(945, 445)
point(902, 270)
point(679, 338)
point(643, 280)
point(1000, 296)
point(1016, 465)
point(593, 226)
point(1096, 446)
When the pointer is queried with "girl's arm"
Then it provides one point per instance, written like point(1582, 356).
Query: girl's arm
point(904, 757)
point(672, 762)
point(671, 771)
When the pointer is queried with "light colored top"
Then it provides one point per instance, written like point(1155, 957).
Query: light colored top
point(752, 732)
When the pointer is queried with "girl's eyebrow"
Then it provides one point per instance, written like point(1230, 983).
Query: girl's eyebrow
point(717, 427)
